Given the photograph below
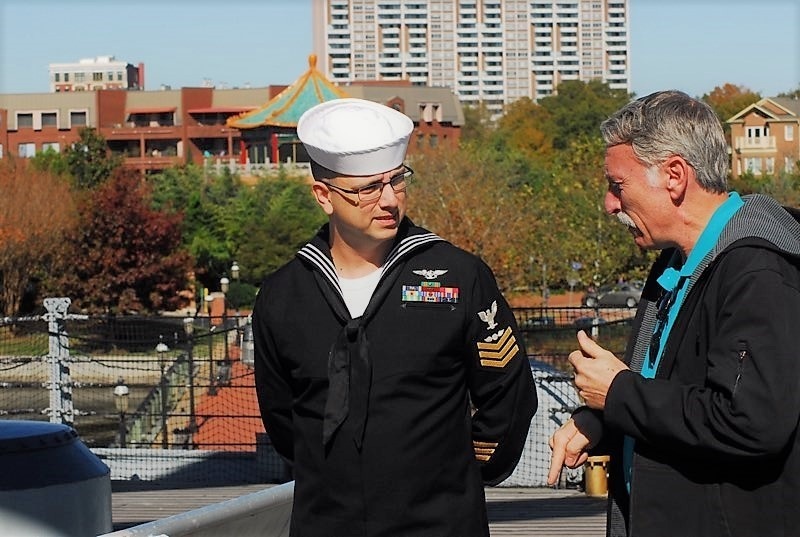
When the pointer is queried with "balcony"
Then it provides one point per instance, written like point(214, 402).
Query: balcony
point(152, 162)
point(131, 131)
point(745, 144)
point(210, 131)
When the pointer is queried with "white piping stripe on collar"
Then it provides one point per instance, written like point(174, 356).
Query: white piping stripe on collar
point(408, 244)
point(325, 265)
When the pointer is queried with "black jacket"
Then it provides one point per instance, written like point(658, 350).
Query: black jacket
point(716, 445)
point(406, 456)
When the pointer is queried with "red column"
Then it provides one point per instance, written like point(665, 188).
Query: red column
point(275, 155)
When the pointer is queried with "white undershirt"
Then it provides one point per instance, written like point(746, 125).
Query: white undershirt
point(358, 291)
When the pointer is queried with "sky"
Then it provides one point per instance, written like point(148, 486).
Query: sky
point(691, 45)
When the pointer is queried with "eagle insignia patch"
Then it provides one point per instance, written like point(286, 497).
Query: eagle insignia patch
point(430, 274)
point(488, 316)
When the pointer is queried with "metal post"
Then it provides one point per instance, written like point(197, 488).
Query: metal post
point(121, 394)
point(188, 325)
point(212, 389)
point(162, 348)
point(122, 430)
point(61, 409)
point(225, 328)
point(164, 439)
point(224, 285)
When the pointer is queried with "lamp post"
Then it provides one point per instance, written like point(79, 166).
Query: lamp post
point(121, 393)
point(188, 328)
point(224, 285)
point(161, 350)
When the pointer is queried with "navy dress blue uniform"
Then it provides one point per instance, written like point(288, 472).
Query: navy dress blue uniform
point(395, 420)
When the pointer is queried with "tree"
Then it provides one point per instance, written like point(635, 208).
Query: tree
point(124, 256)
point(578, 109)
point(467, 196)
point(259, 226)
point(579, 230)
point(276, 218)
point(478, 125)
point(527, 128)
point(784, 186)
point(728, 100)
point(793, 94)
point(89, 160)
point(36, 209)
point(203, 200)
point(51, 161)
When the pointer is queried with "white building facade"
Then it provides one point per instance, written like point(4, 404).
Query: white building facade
point(494, 51)
point(101, 72)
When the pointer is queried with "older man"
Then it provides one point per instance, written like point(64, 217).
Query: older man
point(389, 368)
point(701, 415)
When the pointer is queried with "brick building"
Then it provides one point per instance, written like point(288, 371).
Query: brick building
point(154, 130)
point(765, 137)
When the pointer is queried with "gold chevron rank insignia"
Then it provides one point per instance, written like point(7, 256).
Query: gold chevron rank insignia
point(498, 354)
point(484, 450)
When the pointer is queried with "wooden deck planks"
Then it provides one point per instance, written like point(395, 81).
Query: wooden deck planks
point(513, 512)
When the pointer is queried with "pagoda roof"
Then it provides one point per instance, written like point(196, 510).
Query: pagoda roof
point(285, 109)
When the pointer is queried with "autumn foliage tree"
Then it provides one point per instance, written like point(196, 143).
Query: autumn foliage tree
point(729, 99)
point(36, 209)
point(124, 256)
point(467, 197)
point(527, 127)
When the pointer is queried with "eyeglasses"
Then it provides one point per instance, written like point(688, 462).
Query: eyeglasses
point(373, 191)
point(664, 304)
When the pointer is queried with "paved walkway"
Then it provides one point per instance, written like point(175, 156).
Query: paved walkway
point(538, 512)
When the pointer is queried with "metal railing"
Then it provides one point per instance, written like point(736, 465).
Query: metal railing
point(157, 401)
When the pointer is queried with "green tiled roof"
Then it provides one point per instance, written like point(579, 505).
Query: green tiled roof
point(285, 108)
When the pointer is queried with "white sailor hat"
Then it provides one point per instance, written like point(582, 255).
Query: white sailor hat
point(355, 136)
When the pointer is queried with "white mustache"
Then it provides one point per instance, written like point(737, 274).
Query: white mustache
point(626, 220)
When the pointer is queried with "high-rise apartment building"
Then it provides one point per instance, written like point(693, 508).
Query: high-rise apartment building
point(494, 51)
point(102, 72)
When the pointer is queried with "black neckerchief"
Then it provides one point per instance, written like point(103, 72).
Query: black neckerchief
point(349, 364)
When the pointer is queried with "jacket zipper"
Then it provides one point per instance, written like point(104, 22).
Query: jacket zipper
point(743, 352)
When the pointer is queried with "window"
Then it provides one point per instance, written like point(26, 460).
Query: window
point(1, 150)
point(77, 119)
point(753, 165)
point(430, 111)
point(51, 146)
point(80, 77)
point(24, 121)
point(57, 77)
point(97, 77)
point(26, 150)
point(788, 162)
point(66, 77)
point(49, 119)
point(788, 132)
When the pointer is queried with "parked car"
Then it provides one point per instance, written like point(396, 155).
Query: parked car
point(619, 295)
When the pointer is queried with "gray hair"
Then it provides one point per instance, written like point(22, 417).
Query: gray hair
point(668, 123)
